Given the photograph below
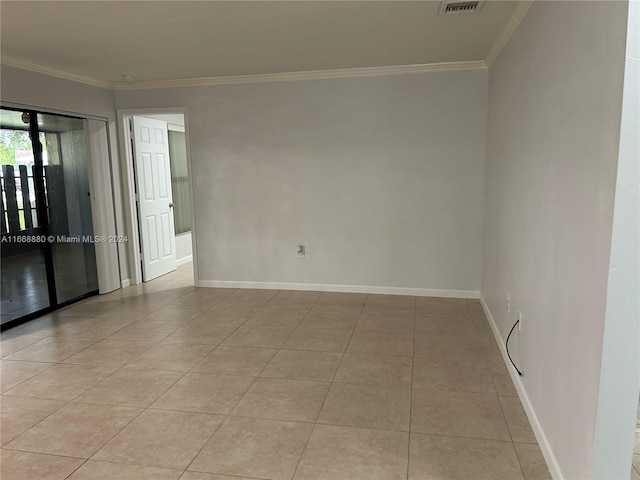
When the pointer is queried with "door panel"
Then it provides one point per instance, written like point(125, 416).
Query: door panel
point(151, 150)
point(167, 232)
point(147, 177)
point(69, 199)
point(152, 238)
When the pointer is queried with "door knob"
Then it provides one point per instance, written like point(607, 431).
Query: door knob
point(171, 205)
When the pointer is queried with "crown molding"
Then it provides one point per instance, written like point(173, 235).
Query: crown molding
point(242, 79)
point(54, 72)
point(512, 24)
point(307, 75)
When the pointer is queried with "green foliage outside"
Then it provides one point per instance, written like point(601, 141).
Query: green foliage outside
point(10, 141)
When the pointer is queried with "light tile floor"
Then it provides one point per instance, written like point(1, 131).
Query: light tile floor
point(167, 381)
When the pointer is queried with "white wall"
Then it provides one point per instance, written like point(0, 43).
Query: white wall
point(171, 118)
point(619, 380)
point(183, 248)
point(39, 90)
point(552, 148)
point(51, 93)
point(381, 178)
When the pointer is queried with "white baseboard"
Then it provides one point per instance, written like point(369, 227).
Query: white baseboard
point(321, 287)
point(183, 260)
point(545, 447)
point(125, 283)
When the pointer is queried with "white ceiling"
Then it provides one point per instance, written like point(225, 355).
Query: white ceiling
point(161, 40)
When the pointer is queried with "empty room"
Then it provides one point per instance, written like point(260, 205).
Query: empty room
point(320, 240)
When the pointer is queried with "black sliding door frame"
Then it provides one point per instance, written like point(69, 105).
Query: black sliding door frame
point(41, 204)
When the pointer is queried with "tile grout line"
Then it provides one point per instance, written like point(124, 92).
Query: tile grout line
point(144, 409)
point(504, 416)
point(315, 423)
point(226, 416)
point(6, 392)
point(73, 400)
point(85, 460)
point(56, 361)
point(413, 362)
point(515, 450)
point(246, 391)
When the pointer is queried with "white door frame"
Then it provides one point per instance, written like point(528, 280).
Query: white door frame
point(128, 187)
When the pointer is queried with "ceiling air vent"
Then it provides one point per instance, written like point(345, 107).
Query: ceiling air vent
point(459, 7)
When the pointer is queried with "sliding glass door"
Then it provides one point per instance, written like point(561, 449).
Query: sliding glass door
point(48, 258)
point(24, 288)
point(68, 196)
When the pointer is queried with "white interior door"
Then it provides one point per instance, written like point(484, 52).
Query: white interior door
point(153, 185)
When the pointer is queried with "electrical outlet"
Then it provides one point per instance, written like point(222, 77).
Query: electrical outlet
point(508, 302)
point(199, 182)
point(519, 321)
point(302, 252)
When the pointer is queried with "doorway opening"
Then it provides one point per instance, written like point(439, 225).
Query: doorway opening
point(156, 152)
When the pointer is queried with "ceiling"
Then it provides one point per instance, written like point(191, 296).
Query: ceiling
point(163, 40)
